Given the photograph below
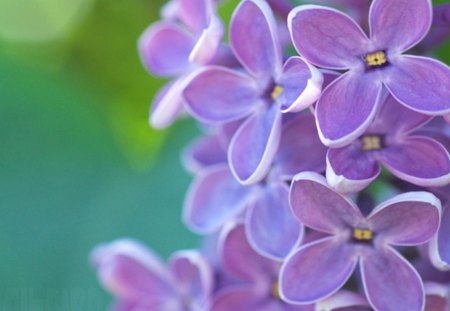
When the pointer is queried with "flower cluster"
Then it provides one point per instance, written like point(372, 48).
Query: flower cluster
point(322, 179)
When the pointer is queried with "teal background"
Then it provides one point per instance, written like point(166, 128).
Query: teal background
point(79, 164)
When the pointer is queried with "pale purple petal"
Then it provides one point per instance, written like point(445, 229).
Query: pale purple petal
point(195, 14)
point(131, 272)
point(271, 228)
point(167, 104)
point(254, 146)
point(394, 117)
point(213, 198)
point(203, 152)
point(349, 169)
point(253, 38)
point(164, 49)
point(240, 260)
point(420, 83)
point(194, 277)
point(407, 219)
point(443, 238)
point(390, 282)
point(299, 140)
point(346, 108)
point(242, 299)
point(319, 207)
point(326, 37)
point(317, 270)
point(344, 300)
point(301, 83)
point(219, 95)
point(399, 25)
point(208, 43)
point(419, 160)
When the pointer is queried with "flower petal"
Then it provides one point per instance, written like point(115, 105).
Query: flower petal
point(316, 270)
point(346, 108)
point(399, 25)
point(214, 197)
point(299, 140)
point(419, 160)
point(319, 207)
point(349, 169)
point(164, 49)
point(410, 218)
point(240, 298)
point(240, 260)
point(254, 40)
point(219, 95)
point(301, 83)
point(390, 282)
point(208, 43)
point(344, 300)
point(327, 37)
point(254, 146)
point(167, 104)
point(202, 153)
point(271, 228)
point(411, 79)
point(195, 13)
point(443, 238)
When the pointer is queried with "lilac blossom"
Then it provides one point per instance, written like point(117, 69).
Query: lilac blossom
point(330, 39)
point(316, 270)
point(190, 36)
point(216, 197)
point(344, 300)
point(256, 277)
point(261, 94)
point(437, 297)
point(440, 245)
point(417, 159)
point(140, 281)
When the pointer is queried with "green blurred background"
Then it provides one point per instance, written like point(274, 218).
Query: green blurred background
point(79, 163)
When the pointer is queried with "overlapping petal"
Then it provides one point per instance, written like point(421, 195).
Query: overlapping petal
point(253, 38)
point(399, 25)
point(407, 219)
point(207, 45)
point(254, 146)
point(202, 153)
point(443, 238)
point(346, 108)
point(420, 83)
point(319, 207)
point(271, 227)
point(390, 282)
point(219, 95)
point(327, 37)
point(316, 270)
point(195, 14)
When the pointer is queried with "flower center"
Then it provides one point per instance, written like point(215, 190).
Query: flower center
point(375, 60)
point(276, 92)
point(276, 290)
point(362, 235)
point(371, 142)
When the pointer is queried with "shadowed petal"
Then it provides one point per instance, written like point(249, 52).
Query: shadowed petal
point(272, 229)
point(219, 95)
point(203, 152)
point(326, 37)
point(420, 83)
point(299, 140)
point(407, 219)
point(241, 299)
point(254, 146)
point(399, 25)
point(213, 198)
point(317, 270)
point(164, 49)
point(390, 282)
point(253, 38)
point(241, 261)
point(319, 207)
point(349, 169)
point(419, 160)
point(443, 238)
point(302, 85)
point(346, 108)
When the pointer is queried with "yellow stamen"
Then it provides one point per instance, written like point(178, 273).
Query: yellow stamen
point(276, 290)
point(371, 142)
point(376, 59)
point(362, 234)
point(277, 91)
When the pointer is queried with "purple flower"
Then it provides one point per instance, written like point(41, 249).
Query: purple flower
point(317, 270)
point(219, 95)
point(438, 297)
point(440, 245)
point(344, 300)
point(190, 36)
point(215, 196)
point(140, 281)
point(415, 158)
point(256, 276)
point(330, 39)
